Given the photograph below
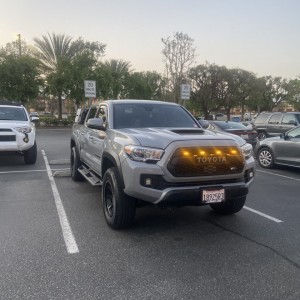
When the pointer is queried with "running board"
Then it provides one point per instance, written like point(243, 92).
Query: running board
point(91, 177)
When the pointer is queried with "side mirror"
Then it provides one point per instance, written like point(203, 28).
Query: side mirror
point(284, 136)
point(204, 123)
point(95, 123)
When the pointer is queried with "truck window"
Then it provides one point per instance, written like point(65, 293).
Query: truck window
point(91, 113)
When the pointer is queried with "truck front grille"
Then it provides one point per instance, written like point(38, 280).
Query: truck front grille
point(206, 161)
point(7, 138)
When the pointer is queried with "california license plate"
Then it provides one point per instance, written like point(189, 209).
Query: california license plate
point(213, 196)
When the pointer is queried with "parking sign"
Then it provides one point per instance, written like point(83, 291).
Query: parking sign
point(90, 89)
point(185, 91)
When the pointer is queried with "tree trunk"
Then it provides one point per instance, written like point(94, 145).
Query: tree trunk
point(243, 110)
point(228, 114)
point(59, 107)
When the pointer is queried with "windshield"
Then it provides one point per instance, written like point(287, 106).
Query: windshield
point(139, 115)
point(13, 113)
point(298, 117)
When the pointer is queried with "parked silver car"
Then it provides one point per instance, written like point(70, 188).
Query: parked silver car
point(280, 150)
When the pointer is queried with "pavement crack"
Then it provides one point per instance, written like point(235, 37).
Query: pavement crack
point(296, 265)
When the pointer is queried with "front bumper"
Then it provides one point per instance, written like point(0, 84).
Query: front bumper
point(181, 191)
point(15, 141)
point(192, 196)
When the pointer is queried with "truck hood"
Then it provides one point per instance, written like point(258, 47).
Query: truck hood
point(162, 137)
point(13, 123)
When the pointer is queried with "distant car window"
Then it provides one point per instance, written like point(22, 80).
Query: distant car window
point(274, 119)
point(261, 118)
point(288, 119)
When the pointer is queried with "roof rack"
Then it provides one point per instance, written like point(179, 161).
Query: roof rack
point(12, 103)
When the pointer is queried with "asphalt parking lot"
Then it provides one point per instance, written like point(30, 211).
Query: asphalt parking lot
point(55, 243)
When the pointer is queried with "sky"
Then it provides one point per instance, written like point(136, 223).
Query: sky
point(260, 36)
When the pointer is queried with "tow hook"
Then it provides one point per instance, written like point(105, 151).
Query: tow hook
point(26, 139)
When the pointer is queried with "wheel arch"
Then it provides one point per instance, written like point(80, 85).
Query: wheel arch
point(109, 161)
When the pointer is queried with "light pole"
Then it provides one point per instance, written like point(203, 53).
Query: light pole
point(20, 48)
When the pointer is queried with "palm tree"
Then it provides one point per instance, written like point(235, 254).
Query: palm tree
point(54, 52)
point(118, 69)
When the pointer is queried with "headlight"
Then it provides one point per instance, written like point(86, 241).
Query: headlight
point(143, 154)
point(24, 129)
point(247, 151)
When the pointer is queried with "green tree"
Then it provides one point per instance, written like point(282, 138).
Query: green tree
point(57, 52)
point(210, 88)
point(241, 83)
point(19, 78)
point(276, 92)
point(256, 97)
point(293, 88)
point(145, 85)
point(111, 77)
point(14, 50)
point(178, 56)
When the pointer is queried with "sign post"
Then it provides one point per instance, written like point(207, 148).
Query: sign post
point(185, 91)
point(90, 89)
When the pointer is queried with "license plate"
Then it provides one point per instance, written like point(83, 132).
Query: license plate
point(244, 136)
point(213, 196)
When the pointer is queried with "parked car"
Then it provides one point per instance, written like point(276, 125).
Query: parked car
point(280, 150)
point(34, 114)
point(249, 135)
point(268, 124)
point(17, 131)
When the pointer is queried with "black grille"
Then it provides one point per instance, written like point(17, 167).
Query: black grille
point(206, 161)
point(7, 138)
point(5, 130)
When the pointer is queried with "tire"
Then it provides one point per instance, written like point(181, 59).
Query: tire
point(75, 164)
point(30, 155)
point(229, 207)
point(262, 135)
point(265, 158)
point(118, 208)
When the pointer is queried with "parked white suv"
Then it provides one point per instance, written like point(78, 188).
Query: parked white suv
point(17, 131)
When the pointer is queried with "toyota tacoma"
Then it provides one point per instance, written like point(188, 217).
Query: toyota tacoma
point(153, 152)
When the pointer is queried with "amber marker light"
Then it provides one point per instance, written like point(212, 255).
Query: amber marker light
point(218, 152)
point(202, 152)
point(186, 153)
point(233, 152)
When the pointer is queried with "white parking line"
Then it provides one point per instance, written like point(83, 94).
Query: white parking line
point(287, 177)
point(65, 226)
point(30, 171)
point(262, 214)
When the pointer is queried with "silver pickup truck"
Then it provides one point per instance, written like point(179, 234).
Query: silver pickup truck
point(152, 152)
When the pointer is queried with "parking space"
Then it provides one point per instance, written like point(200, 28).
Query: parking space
point(189, 253)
